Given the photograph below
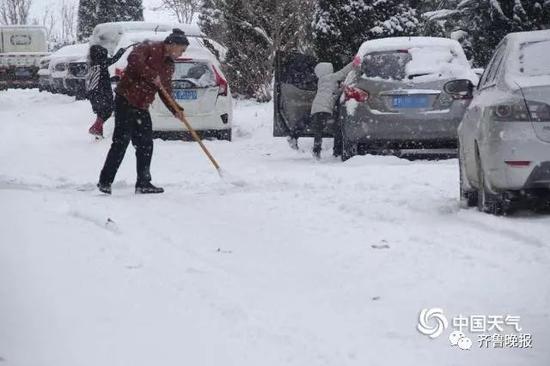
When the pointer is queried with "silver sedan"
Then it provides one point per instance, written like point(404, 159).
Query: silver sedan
point(504, 138)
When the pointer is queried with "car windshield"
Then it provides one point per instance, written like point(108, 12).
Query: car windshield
point(199, 73)
point(533, 58)
point(418, 64)
point(386, 65)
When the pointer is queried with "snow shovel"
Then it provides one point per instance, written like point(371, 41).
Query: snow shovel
point(175, 106)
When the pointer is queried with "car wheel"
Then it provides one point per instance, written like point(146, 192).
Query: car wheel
point(349, 149)
point(225, 135)
point(80, 96)
point(487, 201)
point(468, 197)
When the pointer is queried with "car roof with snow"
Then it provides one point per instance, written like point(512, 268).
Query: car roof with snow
point(400, 43)
point(70, 52)
point(197, 49)
point(527, 62)
point(109, 35)
point(124, 27)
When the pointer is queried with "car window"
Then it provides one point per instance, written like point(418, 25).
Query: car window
point(418, 64)
point(489, 77)
point(199, 73)
point(533, 58)
point(386, 65)
point(298, 69)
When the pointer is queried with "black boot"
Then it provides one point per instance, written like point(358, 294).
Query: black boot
point(293, 143)
point(148, 188)
point(317, 153)
point(105, 188)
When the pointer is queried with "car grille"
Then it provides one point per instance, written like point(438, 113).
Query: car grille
point(60, 67)
point(78, 69)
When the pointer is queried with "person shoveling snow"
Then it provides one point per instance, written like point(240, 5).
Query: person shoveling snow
point(150, 69)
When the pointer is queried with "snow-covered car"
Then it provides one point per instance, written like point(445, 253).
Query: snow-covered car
point(44, 74)
point(111, 35)
point(504, 138)
point(59, 65)
point(75, 81)
point(392, 99)
point(199, 86)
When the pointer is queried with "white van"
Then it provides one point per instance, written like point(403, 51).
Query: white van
point(21, 48)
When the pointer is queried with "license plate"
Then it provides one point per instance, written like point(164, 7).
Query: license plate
point(185, 94)
point(22, 73)
point(410, 101)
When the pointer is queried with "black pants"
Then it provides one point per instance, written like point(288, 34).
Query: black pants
point(131, 124)
point(102, 103)
point(318, 123)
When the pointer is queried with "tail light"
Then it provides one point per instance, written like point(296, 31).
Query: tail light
point(351, 92)
point(221, 83)
point(520, 111)
point(357, 61)
point(518, 163)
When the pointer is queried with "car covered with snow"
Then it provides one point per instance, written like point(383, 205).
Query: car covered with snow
point(75, 81)
point(199, 85)
point(59, 65)
point(44, 74)
point(394, 97)
point(504, 138)
point(111, 35)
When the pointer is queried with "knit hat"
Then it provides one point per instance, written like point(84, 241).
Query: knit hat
point(177, 37)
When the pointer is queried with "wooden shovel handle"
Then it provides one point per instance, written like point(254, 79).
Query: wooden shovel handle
point(176, 107)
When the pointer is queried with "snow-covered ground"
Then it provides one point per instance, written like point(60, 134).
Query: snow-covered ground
point(307, 264)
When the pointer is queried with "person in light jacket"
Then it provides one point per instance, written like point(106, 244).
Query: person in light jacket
point(322, 110)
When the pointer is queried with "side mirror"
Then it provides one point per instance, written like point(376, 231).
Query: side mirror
point(460, 89)
point(115, 79)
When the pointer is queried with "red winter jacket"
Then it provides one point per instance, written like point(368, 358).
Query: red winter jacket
point(145, 63)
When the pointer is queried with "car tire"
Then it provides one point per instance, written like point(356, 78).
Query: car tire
point(487, 201)
point(468, 198)
point(224, 135)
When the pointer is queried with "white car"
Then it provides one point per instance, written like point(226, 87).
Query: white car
point(505, 134)
point(44, 74)
point(200, 87)
point(59, 64)
point(199, 83)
